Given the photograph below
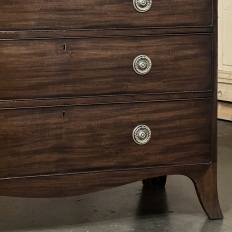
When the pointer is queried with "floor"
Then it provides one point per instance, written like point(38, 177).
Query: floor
point(128, 208)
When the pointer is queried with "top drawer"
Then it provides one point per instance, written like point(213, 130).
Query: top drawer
point(73, 14)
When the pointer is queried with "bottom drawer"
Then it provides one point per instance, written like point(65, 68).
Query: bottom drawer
point(68, 139)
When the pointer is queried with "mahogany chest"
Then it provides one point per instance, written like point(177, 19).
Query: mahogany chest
point(96, 93)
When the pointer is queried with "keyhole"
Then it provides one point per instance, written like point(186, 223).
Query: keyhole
point(63, 114)
point(64, 47)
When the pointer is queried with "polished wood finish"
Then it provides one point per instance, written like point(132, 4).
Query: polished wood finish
point(102, 99)
point(104, 66)
point(100, 33)
point(57, 140)
point(85, 14)
point(206, 188)
point(69, 98)
point(202, 175)
point(215, 78)
point(47, 186)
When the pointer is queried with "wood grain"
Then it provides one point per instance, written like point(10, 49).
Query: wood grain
point(58, 14)
point(100, 33)
point(215, 81)
point(41, 69)
point(206, 188)
point(99, 137)
point(102, 100)
point(202, 175)
point(82, 183)
point(66, 117)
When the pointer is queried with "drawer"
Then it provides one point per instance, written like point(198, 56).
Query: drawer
point(41, 69)
point(56, 140)
point(86, 14)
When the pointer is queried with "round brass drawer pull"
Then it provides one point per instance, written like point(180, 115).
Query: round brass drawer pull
point(141, 134)
point(142, 5)
point(142, 64)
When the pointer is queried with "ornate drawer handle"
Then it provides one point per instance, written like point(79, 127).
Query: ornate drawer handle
point(142, 64)
point(141, 134)
point(142, 5)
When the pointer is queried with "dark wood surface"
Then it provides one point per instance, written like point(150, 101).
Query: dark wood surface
point(206, 188)
point(59, 14)
point(100, 33)
point(87, 182)
point(99, 137)
point(215, 81)
point(202, 175)
point(103, 99)
point(40, 68)
point(66, 117)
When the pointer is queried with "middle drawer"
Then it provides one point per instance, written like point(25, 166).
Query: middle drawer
point(93, 66)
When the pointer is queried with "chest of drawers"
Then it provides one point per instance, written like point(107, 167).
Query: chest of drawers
point(96, 94)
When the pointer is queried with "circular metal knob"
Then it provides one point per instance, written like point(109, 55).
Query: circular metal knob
point(141, 134)
point(142, 64)
point(142, 5)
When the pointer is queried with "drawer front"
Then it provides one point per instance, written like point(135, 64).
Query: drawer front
point(70, 14)
point(99, 137)
point(40, 68)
